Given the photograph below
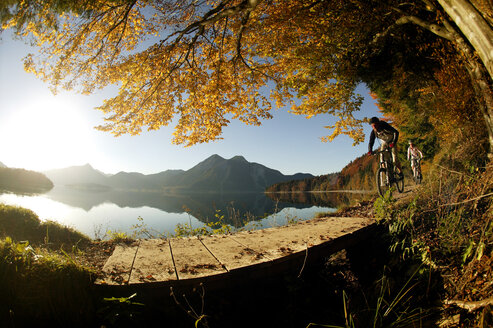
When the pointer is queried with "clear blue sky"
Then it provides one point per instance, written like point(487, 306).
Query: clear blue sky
point(40, 131)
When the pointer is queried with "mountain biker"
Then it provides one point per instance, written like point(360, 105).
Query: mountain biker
point(413, 154)
point(388, 135)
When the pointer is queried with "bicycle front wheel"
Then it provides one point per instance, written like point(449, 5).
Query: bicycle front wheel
point(383, 183)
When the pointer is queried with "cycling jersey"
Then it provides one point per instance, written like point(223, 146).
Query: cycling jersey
point(385, 132)
point(414, 153)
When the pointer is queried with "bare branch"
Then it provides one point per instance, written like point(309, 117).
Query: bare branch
point(468, 200)
point(470, 306)
point(410, 19)
point(434, 28)
point(244, 22)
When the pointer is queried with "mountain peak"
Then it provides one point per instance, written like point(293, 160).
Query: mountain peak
point(211, 160)
point(215, 156)
point(213, 174)
point(239, 158)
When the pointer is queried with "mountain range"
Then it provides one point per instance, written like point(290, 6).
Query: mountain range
point(213, 174)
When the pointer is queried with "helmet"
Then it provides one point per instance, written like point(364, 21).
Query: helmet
point(411, 142)
point(374, 120)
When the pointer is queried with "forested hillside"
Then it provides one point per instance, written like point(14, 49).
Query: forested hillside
point(359, 174)
point(20, 180)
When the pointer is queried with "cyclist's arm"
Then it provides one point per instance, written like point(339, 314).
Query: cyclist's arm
point(396, 135)
point(372, 141)
point(408, 153)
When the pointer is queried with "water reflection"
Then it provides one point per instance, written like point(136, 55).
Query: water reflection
point(327, 199)
point(93, 213)
point(203, 206)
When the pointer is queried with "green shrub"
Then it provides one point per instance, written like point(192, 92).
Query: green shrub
point(42, 288)
point(22, 224)
point(18, 223)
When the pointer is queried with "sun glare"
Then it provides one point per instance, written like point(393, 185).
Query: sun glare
point(48, 132)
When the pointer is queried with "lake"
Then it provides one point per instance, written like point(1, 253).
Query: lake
point(94, 213)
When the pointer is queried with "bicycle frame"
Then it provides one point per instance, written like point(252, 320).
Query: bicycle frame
point(387, 172)
point(385, 158)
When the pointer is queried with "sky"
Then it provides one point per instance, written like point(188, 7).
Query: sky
point(40, 131)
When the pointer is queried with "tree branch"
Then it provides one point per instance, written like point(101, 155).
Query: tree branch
point(213, 16)
point(410, 19)
point(469, 200)
point(434, 28)
point(470, 305)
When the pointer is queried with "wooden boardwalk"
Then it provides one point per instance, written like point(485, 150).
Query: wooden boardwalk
point(222, 260)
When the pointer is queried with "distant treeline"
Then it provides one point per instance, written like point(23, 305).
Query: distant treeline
point(321, 199)
point(322, 182)
point(20, 180)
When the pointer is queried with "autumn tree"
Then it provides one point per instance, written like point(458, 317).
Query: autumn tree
point(205, 63)
point(467, 26)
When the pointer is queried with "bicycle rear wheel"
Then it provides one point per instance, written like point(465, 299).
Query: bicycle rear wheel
point(383, 183)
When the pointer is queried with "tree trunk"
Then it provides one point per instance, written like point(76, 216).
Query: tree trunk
point(484, 94)
point(473, 27)
point(480, 36)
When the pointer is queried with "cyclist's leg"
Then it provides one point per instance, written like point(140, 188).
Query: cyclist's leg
point(383, 145)
point(396, 161)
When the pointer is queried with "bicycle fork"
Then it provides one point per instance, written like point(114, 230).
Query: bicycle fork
point(385, 165)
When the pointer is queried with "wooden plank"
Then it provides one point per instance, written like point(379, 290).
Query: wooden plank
point(153, 262)
point(158, 291)
point(192, 259)
point(231, 253)
point(116, 270)
point(274, 243)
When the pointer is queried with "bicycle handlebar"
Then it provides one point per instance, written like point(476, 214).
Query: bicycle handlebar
point(380, 151)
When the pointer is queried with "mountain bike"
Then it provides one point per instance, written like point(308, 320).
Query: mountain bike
point(417, 176)
point(388, 173)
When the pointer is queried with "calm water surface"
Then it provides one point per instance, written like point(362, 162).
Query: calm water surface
point(94, 213)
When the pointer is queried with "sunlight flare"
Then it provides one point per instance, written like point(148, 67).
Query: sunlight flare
point(47, 132)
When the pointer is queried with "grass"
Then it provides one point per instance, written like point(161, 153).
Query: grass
point(39, 286)
point(40, 282)
point(389, 307)
point(448, 227)
point(22, 224)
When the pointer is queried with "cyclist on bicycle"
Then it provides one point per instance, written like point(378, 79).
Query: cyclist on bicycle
point(388, 136)
point(414, 155)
